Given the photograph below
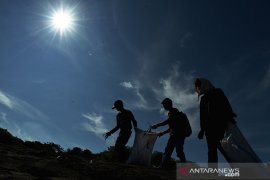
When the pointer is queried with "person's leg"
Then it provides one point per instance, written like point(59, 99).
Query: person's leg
point(168, 151)
point(121, 143)
point(212, 149)
point(179, 144)
point(118, 143)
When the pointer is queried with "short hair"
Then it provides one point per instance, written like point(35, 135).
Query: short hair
point(167, 101)
point(118, 103)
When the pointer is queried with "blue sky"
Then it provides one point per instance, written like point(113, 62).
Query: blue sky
point(60, 88)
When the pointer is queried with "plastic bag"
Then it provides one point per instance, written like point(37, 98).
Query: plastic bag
point(236, 146)
point(142, 148)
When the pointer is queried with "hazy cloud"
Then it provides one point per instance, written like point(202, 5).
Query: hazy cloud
point(127, 85)
point(21, 106)
point(13, 127)
point(179, 87)
point(5, 100)
point(95, 123)
point(140, 101)
point(26, 129)
point(3, 118)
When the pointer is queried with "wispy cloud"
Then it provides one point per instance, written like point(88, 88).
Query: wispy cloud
point(13, 127)
point(20, 132)
point(140, 101)
point(3, 118)
point(21, 106)
point(5, 100)
point(179, 87)
point(30, 128)
point(95, 123)
point(127, 85)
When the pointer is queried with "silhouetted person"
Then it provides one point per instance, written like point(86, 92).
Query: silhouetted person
point(123, 122)
point(179, 129)
point(215, 113)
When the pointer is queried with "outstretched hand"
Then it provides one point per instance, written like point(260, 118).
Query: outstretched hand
point(106, 135)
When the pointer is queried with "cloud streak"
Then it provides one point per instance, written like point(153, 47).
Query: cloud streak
point(30, 128)
point(13, 127)
point(140, 102)
point(3, 118)
point(21, 106)
point(5, 100)
point(95, 123)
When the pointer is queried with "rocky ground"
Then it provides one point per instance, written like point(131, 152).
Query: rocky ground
point(34, 160)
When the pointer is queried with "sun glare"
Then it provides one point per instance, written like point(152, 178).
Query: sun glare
point(62, 21)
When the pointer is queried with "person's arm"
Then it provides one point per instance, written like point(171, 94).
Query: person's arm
point(113, 130)
point(160, 124)
point(164, 132)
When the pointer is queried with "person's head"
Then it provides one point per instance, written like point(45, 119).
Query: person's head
point(202, 86)
point(167, 104)
point(118, 105)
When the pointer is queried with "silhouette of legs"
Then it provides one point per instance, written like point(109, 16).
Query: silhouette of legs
point(179, 144)
point(173, 142)
point(120, 144)
point(213, 143)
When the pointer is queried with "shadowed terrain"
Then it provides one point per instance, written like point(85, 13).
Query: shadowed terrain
point(30, 160)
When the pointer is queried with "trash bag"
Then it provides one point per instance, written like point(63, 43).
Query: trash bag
point(236, 147)
point(142, 148)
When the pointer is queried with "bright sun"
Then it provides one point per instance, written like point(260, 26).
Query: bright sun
point(63, 21)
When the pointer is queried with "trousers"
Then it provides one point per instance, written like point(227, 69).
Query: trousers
point(174, 142)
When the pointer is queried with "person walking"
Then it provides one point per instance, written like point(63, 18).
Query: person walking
point(179, 129)
point(123, 122)
point(215, 113)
